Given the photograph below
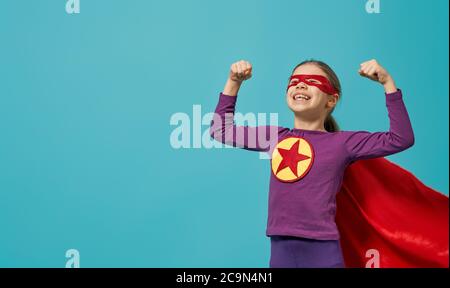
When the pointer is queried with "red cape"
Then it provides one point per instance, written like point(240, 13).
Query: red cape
point(386, 215)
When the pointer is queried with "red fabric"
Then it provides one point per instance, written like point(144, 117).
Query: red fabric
point(384, 207)
point(323, 84)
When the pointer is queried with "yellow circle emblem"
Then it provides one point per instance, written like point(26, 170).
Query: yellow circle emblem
point(292, 159)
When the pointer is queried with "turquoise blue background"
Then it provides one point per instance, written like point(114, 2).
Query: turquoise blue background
point(86, 100)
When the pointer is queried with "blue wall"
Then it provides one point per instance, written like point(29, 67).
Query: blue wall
point(86, 101)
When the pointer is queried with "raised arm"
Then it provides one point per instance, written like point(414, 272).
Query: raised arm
point(223, 128)
point(363, 144)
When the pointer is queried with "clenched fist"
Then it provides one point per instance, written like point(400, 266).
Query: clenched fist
point(374, 71)
point(240, 71)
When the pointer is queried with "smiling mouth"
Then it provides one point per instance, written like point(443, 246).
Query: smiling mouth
point(300, 97)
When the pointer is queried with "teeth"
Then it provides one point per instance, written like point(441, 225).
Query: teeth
point(299, 96)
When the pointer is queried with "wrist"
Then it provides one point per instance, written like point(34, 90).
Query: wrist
point(231, 87)
point(389, 85)
point(232, 82)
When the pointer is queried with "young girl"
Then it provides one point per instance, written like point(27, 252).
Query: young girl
point(309, 160)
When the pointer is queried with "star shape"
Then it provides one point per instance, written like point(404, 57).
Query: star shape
point(291, 158)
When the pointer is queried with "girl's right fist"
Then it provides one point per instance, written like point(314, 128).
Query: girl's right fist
point(240, 71)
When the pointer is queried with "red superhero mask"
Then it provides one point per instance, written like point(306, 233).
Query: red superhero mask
point(319, 81)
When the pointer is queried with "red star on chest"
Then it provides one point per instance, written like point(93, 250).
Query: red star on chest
point(291, 158)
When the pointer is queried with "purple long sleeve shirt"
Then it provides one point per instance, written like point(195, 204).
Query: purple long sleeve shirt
point(307, 207)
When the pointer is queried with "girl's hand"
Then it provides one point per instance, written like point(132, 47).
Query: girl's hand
point(240, 71)
point(374, 71)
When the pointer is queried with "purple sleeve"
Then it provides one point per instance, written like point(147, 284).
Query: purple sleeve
point(364, 145)
point(223, 128)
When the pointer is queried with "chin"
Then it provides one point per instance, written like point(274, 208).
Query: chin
point(301, 110)
point(297, 108)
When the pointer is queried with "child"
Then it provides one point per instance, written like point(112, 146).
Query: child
point(308, 161)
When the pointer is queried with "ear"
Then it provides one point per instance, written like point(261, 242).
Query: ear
point(332, 101)
point(336, 96)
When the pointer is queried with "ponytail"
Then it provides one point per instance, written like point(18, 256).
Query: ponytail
point(330, 124)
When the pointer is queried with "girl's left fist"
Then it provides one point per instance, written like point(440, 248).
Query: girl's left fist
point(372, 70)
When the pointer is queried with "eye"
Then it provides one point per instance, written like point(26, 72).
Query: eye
point(294, 81)
point(314, 81)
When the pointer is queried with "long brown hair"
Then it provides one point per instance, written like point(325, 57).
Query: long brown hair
point(330, 123)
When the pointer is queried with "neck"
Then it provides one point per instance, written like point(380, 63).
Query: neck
point(309, 124)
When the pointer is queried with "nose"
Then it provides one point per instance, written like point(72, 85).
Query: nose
point(301, 85)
